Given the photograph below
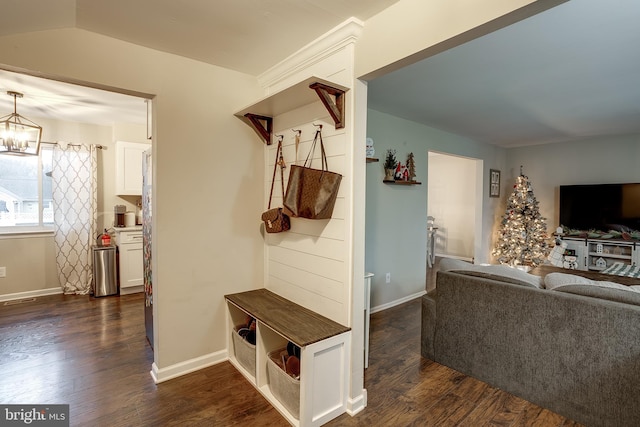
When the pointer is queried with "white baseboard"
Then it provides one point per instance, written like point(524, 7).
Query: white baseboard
point(131, 290)
point(164, 374)
point(396, 302)
point(356, 405)
point(30, 294)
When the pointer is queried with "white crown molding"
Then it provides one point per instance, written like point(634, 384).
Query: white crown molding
point(314, 52)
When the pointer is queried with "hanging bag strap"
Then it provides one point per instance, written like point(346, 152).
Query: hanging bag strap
point(323, 155)
point(279, 161)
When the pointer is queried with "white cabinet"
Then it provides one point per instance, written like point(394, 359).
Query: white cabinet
point(129, 167)
point(598, 254)
point(130, 268)
point(321, 392)
point(604, 253)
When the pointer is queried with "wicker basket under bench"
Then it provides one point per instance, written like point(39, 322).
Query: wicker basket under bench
point(322, 391)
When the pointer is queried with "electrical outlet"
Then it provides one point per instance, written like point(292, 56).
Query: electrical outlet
point(388, 277)
point(3, 271)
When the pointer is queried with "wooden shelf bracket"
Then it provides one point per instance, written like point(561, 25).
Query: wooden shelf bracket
point(262, 124)
point(260, 114)
point(335, 108)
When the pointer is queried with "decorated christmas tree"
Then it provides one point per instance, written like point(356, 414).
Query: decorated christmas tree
point(523, 236)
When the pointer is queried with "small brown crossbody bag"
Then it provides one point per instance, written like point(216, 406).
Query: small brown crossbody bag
point(275, 220)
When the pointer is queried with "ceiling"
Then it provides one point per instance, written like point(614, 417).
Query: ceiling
point(570, 72)
point(248, 36)
point(54, 100)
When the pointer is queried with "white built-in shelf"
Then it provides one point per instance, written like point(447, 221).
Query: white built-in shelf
point(613, 256)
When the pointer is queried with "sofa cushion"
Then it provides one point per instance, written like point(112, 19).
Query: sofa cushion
point(501, 273)
point(579, 285)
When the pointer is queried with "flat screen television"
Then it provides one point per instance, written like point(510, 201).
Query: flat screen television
point(601, 206)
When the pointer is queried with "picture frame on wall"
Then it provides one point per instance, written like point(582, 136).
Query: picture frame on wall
point(494, 183)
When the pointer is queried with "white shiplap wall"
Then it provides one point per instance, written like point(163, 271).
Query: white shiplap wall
point(307, 263)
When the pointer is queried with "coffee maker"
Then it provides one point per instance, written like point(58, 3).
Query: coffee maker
point(118, 214)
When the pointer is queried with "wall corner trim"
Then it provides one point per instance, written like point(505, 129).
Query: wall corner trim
point(357, 404)
point(182, 368)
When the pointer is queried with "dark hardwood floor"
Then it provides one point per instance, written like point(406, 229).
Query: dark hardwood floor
point(92, 354)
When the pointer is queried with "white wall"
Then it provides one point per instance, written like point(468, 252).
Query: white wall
point(31, 266)
point(217, 248)
point(600, 160)
point(589, 161)
point(452, 202)
point(396, 215)
point(308, 264)
point(206, 240)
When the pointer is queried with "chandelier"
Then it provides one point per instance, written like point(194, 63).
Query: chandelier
point(18, 134)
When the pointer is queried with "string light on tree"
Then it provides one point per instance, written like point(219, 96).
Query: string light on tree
point(523, 238)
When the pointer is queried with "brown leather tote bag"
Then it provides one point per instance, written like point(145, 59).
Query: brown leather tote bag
point(311, 193)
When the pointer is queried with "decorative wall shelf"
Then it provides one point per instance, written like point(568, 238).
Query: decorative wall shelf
point(372, 160)
point(260, 115)
point(386, 181)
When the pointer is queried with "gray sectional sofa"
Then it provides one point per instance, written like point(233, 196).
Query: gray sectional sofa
point(573, 348)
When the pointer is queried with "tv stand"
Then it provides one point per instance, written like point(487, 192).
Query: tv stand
point(598, 254)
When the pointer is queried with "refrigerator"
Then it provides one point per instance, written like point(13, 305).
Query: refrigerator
point(146, 244)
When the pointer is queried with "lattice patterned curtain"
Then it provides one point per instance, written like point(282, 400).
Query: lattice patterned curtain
point(74, 184)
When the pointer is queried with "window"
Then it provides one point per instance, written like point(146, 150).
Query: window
point(25, 191)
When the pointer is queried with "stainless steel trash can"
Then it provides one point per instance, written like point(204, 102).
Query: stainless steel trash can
point(104, 271)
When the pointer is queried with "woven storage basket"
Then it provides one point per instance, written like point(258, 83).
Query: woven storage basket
point(284, 387)
point(245, 352)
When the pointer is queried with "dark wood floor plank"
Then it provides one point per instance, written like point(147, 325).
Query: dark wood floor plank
point(498, 409)
point(449, 410)
point(473, 390)
point(535, 416)
point(92, 354)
